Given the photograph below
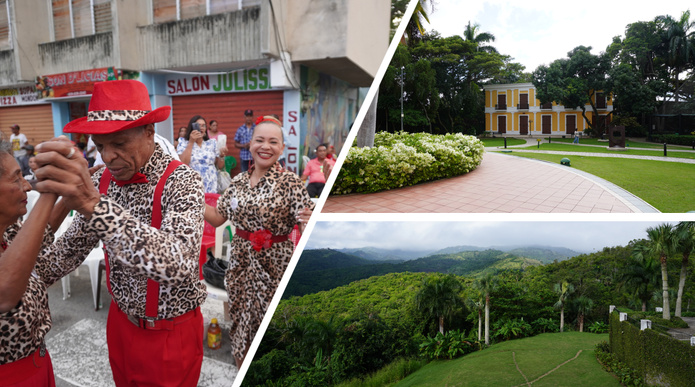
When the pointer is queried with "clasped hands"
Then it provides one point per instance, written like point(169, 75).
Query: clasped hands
point(63, 170)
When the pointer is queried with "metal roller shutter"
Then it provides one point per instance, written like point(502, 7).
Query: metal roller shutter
point(35, 121)
point(227, 109)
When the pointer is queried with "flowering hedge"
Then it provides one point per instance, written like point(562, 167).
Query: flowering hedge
point(404, 159)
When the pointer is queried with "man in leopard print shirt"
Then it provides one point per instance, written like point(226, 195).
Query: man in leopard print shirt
point(148, 212)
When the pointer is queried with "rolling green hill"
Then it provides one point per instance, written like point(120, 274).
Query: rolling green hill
point(549, 359)
point(326, 269)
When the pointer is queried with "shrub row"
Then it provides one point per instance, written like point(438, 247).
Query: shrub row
point(626, 375)
point(654, 356)
point(674, 139)
point(404, 159)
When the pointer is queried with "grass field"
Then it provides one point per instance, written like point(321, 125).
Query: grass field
point(539, 358)
point(595, 149)
point(669, 187)
point(498, 141)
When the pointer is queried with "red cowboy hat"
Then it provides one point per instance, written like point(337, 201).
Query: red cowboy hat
point(116, 106)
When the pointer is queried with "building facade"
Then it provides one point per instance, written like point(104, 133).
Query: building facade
point(513, 110)
point(306, 61)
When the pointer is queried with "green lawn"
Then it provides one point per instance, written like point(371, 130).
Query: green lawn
point(669, 187)
point(537, 357)
point(499, 141)
point(593, 149)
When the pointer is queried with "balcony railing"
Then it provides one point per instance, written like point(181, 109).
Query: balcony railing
point(500, 106)
point(522, 106)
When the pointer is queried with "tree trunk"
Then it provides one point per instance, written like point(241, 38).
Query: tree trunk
point(562, 319)
point(664, 288)
point(365, 136)
point(487, 320)
point(581, 323)
point(681, 285)
point(441, 324)
point(480, 325)
point(644, 306)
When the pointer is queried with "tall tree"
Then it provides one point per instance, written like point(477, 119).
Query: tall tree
point(476, 302)
point(563, 289)
point(685, 245)
point(486, 285)
point(661, 244)
point(583, 305)
point(574, 82)
point(439, 297)
point(480, 39)
point(641, 275)
point(678, 37)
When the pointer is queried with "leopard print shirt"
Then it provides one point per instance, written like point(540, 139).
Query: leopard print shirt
point(23, 328)
point(253, 277)
point(137, 251)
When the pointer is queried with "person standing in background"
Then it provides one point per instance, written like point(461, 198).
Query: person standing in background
point(221, 138)
point(317, 170)
point(19, 147)
point(242, 140)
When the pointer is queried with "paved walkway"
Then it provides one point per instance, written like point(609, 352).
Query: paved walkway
point(533, 141)
point(504, 184)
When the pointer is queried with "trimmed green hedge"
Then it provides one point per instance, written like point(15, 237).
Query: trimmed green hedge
point(403, 159)
point(655, 356)
point(673, 139)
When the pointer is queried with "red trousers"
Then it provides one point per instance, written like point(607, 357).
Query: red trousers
point(31, 371)
point(141, 357)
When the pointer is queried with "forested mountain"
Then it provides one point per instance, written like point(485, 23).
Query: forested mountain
point(379, 254)
point(326, 269)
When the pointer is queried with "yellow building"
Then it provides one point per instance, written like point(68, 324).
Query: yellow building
point(513, 110)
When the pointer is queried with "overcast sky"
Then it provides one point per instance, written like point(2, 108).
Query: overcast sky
point(538, 32)
point(581, 236)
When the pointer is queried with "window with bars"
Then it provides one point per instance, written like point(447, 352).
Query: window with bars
point(172, 10)
point(76, 18)
point(5, 42)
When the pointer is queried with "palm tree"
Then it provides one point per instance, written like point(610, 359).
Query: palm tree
point(680, 45)
point(584, 305)
point(414, 31)
point(471, 34)
point(641, 275)
point(487, 285)
point(563, 289)
point(661, 244)
point(477, 303)
point(685, 244)
point(439, 297)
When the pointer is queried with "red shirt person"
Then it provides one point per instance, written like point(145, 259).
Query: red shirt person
point(317, 171)
point(147, 209)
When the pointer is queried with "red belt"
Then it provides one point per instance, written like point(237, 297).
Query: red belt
point(163, 324)
point(261, 239)
point(23, 368)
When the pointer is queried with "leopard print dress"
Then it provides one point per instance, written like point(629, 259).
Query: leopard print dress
point(22, 329)
point(253, 275)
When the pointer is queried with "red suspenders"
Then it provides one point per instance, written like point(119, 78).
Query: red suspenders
point(152, 297)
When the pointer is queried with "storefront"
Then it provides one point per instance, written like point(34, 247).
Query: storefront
point(21, 106)
point(224, 97)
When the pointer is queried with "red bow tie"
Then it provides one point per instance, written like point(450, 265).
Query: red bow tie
point(136, 179)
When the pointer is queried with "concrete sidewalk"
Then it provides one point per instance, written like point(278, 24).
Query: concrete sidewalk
point(503, 184)
point(77, 340)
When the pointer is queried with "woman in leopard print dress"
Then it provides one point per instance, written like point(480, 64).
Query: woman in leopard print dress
point(264, 204)
point(24, 315)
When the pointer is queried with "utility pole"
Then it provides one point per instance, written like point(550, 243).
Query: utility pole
point(402, 82)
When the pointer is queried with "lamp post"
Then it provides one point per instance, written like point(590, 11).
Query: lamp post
point(402, 81)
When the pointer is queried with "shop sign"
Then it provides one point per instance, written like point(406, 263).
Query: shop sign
point(18, 96)
point(255, 79)
point(74, 83)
